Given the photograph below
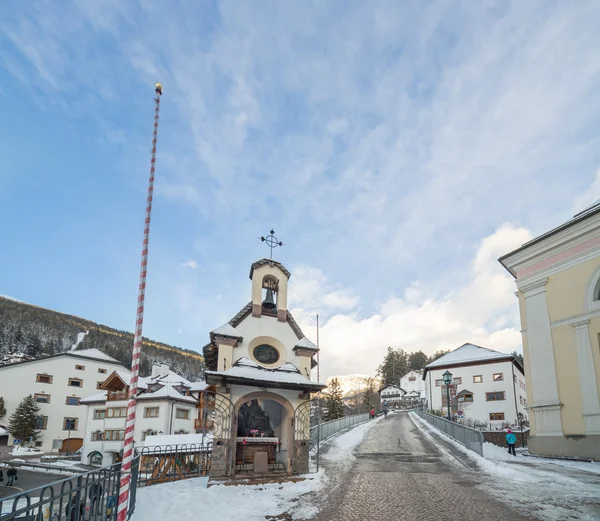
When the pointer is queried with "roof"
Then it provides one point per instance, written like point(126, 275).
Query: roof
point(463, 392)
point(199, 386)
point(286, 376)
point(94, 354)
point(226, 330)
point(167, 391)
point(269, 262)
point(591, 210)
point(305, 343)
point(467, 354)
point(95, 398)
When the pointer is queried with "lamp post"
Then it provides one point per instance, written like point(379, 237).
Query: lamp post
point(447, 376)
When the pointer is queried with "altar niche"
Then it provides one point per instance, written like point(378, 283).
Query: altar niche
point(263, 426)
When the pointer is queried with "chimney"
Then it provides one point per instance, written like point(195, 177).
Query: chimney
point(164, 369)
point(156, 370)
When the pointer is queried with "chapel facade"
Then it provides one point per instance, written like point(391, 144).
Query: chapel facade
point(260, 364)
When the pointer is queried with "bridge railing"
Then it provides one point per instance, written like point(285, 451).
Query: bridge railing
point(325, 430)
point(470, 438)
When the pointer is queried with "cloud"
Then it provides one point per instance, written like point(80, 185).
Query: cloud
point(191, 264)
point(483, 312)
point(590, 196)
point(310, 287)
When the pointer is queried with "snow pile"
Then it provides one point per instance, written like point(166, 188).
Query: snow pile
point(551, 489)
point(80, 337)
point(172, 501)
point(25, 451)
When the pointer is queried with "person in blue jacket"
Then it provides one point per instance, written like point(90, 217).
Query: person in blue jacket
point(511, 440)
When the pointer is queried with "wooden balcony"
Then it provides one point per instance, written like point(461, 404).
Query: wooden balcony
point(114, 396)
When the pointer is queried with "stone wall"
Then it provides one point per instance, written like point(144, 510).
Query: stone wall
point(499, 438)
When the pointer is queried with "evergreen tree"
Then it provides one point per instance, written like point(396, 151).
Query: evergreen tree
point(19, 341)
point(519, 358)
point(2, 408)
point(334, 402)
point(34, 346)
point(22, 423)
point(393, 367)
point(369, 397)
point(437, 354)
point(417, 361)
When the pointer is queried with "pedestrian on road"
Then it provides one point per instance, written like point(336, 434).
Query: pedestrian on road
point(372, 413)
point(511, 440)
point(11, 475)
point(95, 495)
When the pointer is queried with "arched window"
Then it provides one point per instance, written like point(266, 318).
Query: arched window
point(148, 432)
point(592, 296)
point(266, 354)
point(181, 432)
point(97, 435)
point(96, 459)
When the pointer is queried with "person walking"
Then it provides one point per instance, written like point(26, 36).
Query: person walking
point(372, 412)
point(511, 441)
point(11, 475)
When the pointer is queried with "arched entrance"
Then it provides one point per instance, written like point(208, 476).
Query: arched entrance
point(95, 458)
point(271, 416)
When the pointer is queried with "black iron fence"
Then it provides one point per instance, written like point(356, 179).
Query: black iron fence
point(91, 496)
point(173, 462)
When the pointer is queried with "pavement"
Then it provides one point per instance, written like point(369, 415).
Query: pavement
point(27, 480)
point(399, 475)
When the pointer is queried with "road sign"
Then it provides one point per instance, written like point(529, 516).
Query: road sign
point(460, 413)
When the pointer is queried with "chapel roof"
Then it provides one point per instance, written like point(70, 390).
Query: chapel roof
point(269, 262)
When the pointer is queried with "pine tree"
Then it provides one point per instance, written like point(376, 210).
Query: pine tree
point(2, 408)
point(417, 361)
point(369, 397)
point(34, 346)
point(519, 358)
point(393, 367)
point(437, 354)
point(335, 404)
point(22, 423)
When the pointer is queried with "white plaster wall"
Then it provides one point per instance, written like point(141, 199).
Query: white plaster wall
point(480, 409)
point(417, 385)
point(18, 381)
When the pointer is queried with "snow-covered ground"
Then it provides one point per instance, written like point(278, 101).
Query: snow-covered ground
point(25, 451)
point(552, 490)
point(190, 499)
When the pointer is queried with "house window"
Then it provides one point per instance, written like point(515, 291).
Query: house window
point(149, 432)
point(493, 397)
point(99, 414)
point(182, 414)
point(498, 377)
point(41, 423)
point(515, 378)
point(457, 381)
point(75, 382)
point(438, 383)
point(99, 385)
point(496, 416)
point(72, 400)
point(116, 412)
point(80, 367)
point(525, 402)
point(114, 435)
point(44, 378)
point(70, 424)
point(151, 412)
point(266, 354)
point(97, 435)
point(103, 371)
point(477, 379)
point(521, 400)
point(468, 397)
point(41, 398)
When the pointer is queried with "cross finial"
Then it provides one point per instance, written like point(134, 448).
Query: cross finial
point(272, 241)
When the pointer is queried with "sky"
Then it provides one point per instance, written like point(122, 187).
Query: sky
point(397, 149)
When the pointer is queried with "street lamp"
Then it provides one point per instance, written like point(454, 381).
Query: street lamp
point(447, 376)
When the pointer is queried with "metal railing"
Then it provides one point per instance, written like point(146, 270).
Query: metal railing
point(470, 438)
point(91, 496)
point(325, 430)
point(173, 462)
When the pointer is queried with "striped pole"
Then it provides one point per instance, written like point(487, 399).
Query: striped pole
point(318, 351)
point(137, 340)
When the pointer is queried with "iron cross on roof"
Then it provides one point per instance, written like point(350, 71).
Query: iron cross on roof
point(272, 241)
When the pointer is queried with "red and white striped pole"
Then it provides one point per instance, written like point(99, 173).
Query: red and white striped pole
point(137, 340)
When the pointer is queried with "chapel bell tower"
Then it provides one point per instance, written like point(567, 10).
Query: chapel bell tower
point(269, 289)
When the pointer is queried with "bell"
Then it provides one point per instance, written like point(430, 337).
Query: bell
point(269, 302)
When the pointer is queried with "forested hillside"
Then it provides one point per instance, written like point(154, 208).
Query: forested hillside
point(38, 332)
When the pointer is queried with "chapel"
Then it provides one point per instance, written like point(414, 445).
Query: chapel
point(260, 364)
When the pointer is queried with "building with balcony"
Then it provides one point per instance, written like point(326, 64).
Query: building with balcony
point(558, 279)
point(392, 394)
point(487, 387)
point(57, 383)
point(167, 404)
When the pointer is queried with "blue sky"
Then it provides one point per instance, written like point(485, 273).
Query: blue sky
point(397, 149)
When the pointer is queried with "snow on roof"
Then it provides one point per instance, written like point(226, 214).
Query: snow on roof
point(95, 354)
point(126, 377)
point(172, 440)
point(198, 386)
point(246, 368)
point(170, 378)
point(465, 354)
point(226, 330)
point(306, 344)
point(98, 397)
point(167, 391)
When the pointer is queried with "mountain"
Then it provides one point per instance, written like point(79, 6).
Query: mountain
point(39, 332)
point(353, 384)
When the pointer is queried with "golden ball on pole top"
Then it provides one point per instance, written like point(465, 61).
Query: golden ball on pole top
point(158, 89)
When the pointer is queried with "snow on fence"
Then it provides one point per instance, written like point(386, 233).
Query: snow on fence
point(470, 438)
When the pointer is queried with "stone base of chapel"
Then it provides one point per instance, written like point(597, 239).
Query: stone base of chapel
point(569, 447)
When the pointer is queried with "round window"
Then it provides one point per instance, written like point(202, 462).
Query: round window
point(266, 354)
